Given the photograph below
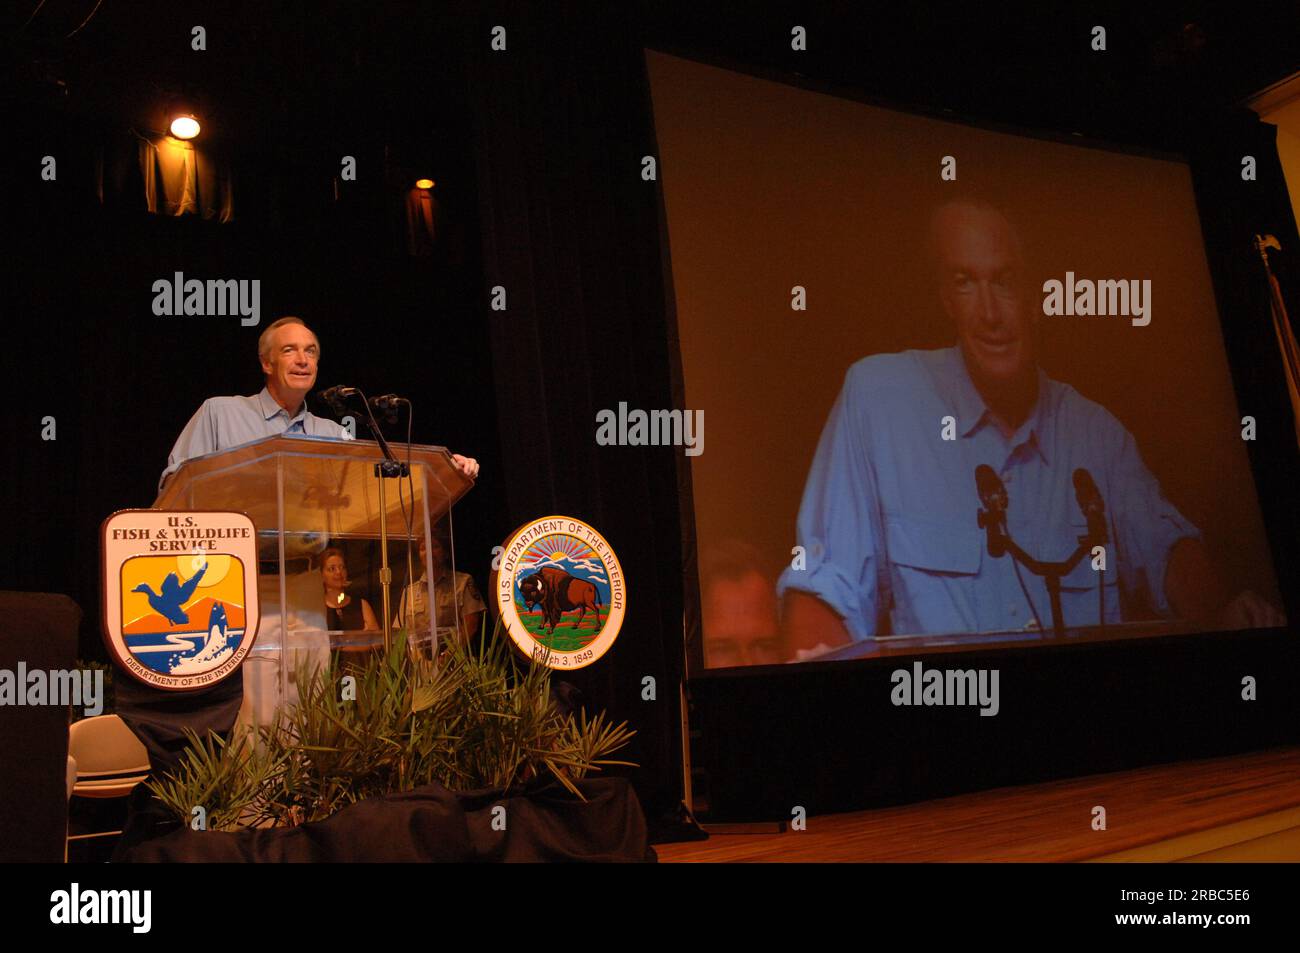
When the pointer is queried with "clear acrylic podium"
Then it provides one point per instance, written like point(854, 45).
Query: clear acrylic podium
point(308, 496)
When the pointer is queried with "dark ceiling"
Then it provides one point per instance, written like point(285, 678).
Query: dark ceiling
point(390, 71)
point(325, 72)
point(1026, 64)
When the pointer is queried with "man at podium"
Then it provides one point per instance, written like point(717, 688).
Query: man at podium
point(293, 625)
point(290, 353)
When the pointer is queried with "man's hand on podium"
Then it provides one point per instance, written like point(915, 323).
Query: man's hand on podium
point(466, 465)
point(1249, 610)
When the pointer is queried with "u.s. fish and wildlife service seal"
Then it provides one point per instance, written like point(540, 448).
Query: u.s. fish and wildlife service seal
point(560, 592)
point(179, 595)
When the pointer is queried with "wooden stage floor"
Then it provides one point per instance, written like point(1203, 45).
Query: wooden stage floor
point(1240, 808)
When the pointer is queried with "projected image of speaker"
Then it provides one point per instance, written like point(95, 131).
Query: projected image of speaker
point(876, 309)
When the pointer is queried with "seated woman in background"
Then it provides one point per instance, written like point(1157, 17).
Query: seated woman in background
point(343, 611)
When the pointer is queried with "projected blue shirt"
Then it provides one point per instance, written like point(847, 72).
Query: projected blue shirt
point(888, 513)
point(225, 422)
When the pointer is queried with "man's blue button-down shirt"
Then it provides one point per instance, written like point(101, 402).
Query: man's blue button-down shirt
point(888, 518)
point(226, 422)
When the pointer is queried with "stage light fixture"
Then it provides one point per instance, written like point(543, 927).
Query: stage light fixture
point(424, 183)
point(185, 126)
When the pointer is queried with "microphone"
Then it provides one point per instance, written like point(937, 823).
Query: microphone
point(991, 490)
point(387, 405)
point(1091, 504)
point(334, 396)
point(993, 494)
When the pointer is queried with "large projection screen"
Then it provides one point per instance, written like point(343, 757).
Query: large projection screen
point(807, 232)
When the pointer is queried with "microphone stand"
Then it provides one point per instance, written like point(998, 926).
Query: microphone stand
point(390, 469)
point(994, 521)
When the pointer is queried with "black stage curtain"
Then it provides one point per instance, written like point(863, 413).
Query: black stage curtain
point(570, 231)
point(1233, 210)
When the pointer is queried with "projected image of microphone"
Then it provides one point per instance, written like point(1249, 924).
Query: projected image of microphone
point(992, 519)
point(1092, 505)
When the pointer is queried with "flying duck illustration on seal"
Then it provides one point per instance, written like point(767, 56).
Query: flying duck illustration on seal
point(168, 603)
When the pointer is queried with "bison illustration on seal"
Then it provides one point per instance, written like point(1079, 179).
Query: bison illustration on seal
point(557, 592)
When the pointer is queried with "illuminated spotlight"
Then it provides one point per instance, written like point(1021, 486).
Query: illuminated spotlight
point(185, 127)
point(424, 183)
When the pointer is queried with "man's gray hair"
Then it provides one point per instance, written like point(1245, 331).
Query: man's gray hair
point(264, 341)
point(941, 215)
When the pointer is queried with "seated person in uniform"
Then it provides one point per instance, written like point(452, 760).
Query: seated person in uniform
point(343, 611)
point(887, 523)
point(413, 608)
